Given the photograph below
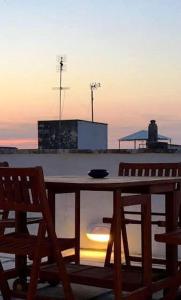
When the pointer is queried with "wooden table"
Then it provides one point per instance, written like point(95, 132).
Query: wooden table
point(118, 185)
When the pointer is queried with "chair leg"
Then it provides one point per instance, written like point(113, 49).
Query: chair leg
point(34, 274)
point(4, 286)
point(32, 288)
point(109, 246)
point(63, 276)
point(124, 238)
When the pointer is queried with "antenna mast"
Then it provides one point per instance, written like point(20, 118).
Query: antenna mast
point(60, 87)
point(60, 94)
point(93, 86)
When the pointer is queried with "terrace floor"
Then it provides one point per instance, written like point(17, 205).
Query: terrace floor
point(81, 292)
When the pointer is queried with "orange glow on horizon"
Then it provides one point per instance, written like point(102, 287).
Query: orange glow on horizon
point(19, 143)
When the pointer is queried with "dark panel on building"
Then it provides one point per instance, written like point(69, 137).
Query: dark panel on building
point(57, 134)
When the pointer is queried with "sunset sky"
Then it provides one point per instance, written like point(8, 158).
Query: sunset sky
point(132, 47)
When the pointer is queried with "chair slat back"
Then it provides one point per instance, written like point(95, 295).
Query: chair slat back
point(150, 169)
point(22, 189)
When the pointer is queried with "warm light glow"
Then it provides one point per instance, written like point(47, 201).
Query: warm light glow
point(92, 257)
point(88, 254)
point(98, 233)
point(98, 237)
point(92, 253)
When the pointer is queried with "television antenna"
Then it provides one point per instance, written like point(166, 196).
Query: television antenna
point(60, 87)
point(93, 86)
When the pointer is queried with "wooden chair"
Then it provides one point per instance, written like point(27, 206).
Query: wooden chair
point(22, 190)
point(174, 280)
point(139, 169)
point(10, 222)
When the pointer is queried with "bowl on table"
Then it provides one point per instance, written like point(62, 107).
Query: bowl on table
point(98, 173)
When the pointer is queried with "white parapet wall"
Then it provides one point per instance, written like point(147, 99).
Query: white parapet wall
point(94, 205)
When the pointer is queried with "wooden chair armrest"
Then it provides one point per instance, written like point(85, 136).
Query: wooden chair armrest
point(34, 220)
point(173, 237)
point(133, 221)
point(10, 222)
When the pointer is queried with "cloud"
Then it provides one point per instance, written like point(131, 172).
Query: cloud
point(162, 117)
point(20, 135)
point(19, 143)
point(17, 130)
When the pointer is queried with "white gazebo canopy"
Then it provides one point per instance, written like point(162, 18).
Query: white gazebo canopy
point(141, 135)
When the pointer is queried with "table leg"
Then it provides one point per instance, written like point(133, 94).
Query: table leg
point(77, 227)
point(117, 243)
point(51, 201)
point(146, 240)
point(171, 200)
point(20, 260)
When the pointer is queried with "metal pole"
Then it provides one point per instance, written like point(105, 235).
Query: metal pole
point(93, 86)
point(92, 103)
point(61, 68)
point(60, 109)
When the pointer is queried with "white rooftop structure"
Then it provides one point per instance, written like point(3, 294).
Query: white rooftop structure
point(141, 135)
